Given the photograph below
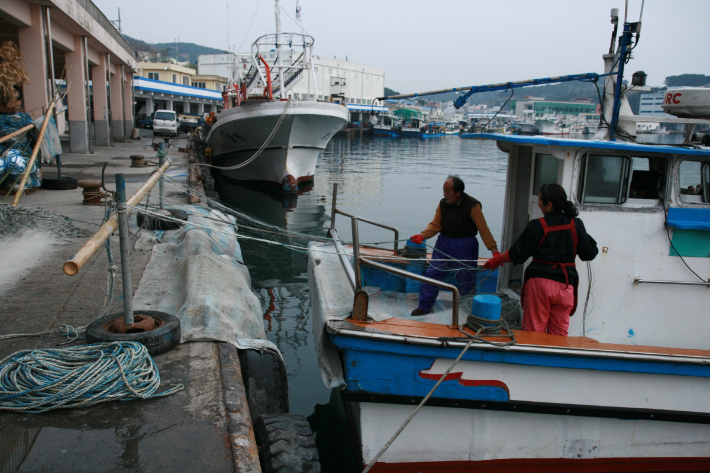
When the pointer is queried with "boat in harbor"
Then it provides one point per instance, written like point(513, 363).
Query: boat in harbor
point(551, 127)
point(386, 125)
point(265, 136)
point(626, 391)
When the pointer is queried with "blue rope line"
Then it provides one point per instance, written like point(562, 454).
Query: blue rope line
point(44, 379)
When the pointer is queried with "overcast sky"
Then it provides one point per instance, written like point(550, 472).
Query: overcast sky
point(428, 45)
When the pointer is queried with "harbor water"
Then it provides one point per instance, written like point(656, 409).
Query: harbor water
point(397, 181)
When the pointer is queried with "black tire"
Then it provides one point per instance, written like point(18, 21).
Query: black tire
point(265, 382)
point(156, 341)
point(286, 444)
point(56, 184)
point(151, 222)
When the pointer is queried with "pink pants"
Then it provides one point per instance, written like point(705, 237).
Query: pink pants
point(547, 305)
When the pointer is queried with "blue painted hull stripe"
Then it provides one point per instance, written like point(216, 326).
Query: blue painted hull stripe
point(390, 348)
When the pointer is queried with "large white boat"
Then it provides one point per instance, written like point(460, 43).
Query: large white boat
point(264, 135)
point(626, 391)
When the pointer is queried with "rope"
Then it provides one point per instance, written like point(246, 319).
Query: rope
point(36, 381)
point(259, 151)
point(13, 219)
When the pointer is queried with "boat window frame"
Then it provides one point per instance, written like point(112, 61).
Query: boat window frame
point(657, 206)
point(704, 170)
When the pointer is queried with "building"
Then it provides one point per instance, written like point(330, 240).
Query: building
point(651, 105)
point(170, 86)
point(227, 65)
point(71, 43)
point(531, 108)
point(342, 81)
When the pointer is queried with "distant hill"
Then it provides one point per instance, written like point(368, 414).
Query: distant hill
point(186, 51)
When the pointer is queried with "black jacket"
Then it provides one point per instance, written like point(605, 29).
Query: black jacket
point(557, 247)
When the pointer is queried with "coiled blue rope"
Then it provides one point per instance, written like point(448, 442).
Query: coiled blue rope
point(50, 378)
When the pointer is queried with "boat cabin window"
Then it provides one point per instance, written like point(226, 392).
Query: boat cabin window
point(694, 181)
point(637, 180)
point(648, 177)
point(547, 169)
point(603, 179)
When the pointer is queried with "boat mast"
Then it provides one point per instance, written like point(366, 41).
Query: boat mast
point(279, 66)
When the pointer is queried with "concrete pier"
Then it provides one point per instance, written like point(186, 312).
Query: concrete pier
point(206, 427)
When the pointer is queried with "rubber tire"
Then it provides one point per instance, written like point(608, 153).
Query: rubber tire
point(286, 444)
point(265, 382)
point(151, 222)
point(156, 341)
point(56, 184)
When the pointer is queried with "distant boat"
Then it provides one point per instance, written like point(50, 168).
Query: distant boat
point(386, 126)
point(590, 129)
point(548, 127)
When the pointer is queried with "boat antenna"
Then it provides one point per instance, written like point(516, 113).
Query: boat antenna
point(279, 54)
point(615, 22)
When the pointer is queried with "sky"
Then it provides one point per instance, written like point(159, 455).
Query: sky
point(431, 45)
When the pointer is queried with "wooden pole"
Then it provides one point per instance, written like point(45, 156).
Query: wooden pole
point(73, 266)
point(45, 122)
point(18, 132)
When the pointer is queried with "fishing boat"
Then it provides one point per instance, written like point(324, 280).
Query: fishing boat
point(452, 128)
point(265, 136)
point(551, 127)
point(626, 391)
point(386, 125)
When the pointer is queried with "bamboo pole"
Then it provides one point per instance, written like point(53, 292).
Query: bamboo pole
point(45, 122)
point(17, 132)
point(73, 266)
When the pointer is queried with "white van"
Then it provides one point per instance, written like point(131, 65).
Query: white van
point(165, 122)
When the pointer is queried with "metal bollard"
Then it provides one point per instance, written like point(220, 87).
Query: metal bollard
point(161, 160)
point(122, 211)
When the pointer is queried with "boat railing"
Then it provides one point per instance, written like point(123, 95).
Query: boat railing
point(353, 270)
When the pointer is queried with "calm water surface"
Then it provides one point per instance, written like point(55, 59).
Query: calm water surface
point(397, 181)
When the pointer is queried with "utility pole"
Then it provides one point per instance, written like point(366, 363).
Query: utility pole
point(118, 21)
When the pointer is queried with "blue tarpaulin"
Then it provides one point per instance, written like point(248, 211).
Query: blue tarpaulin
point(689, 218)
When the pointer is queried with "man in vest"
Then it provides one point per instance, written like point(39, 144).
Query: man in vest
point(458, 219)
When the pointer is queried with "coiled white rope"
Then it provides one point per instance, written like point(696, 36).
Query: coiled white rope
point(44, 379)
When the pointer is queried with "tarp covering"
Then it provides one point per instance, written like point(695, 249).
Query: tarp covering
point(405, 113)
point(332, 299)
point(198, 275)
point(689, 218)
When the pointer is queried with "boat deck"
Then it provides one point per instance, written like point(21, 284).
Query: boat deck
point(413, 328)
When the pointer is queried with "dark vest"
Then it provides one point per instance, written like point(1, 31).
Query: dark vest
point(456, 221)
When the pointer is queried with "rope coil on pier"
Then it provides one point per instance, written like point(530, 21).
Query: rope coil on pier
point(40, 380)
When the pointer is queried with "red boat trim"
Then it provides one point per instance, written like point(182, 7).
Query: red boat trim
point(557, 465)
point(465, 382)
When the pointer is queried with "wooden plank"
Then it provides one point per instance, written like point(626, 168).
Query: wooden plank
point(415, 328)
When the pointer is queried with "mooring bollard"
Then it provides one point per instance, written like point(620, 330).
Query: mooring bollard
point(122, 211)
point(161, 159)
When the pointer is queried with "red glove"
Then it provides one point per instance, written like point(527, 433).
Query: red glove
point(497, 260)
point(418, 239)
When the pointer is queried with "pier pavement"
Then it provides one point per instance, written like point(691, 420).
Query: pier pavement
point(198, 429)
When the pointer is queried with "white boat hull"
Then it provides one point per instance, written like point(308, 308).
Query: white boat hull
point(455, 439)
point(290, 158)
point(550, 128)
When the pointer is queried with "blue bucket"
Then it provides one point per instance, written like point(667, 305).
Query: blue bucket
point(487, 306)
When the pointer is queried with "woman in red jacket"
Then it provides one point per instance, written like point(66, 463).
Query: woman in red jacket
point(549, 294)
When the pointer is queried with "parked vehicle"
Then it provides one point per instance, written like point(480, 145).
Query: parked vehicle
point(166, 122)
point(146, 121)
point(190, 121)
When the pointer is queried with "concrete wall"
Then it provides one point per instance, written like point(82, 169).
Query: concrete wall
point(70, 22)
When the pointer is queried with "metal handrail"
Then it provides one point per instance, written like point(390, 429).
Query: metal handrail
point(353, 271)
point(638, 280)
point(424, 279)
point(377, 224)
